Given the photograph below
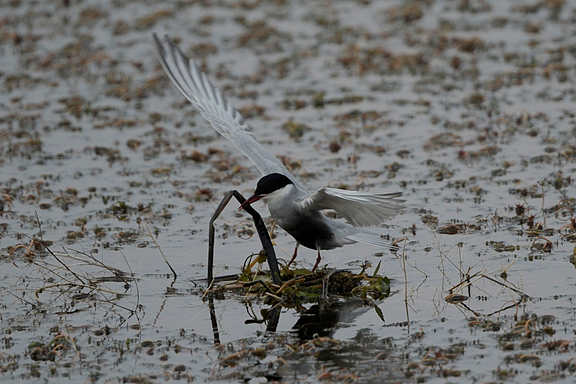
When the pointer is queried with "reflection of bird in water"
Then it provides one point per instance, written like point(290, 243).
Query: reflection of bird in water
point(295, 209)
point(320, 320)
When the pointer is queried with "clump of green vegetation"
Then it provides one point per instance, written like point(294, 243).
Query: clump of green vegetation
point(295, 130)
point(56, 348)
point(302, 286)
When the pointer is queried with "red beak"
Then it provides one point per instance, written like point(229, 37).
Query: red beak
point(249, 201)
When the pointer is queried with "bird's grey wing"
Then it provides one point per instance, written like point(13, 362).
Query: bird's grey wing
point(359, 208)
point(194, 85)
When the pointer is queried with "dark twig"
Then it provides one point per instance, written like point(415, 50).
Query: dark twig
point(272, 318)
point(262, 233)
point(137, 288)
point(162, 253)
point(52, 253)
point(522, 294)
point(213, 319)
point(252, 283)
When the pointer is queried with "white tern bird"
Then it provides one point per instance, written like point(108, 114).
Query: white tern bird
point(293, 207)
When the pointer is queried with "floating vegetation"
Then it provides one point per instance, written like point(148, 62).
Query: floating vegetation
point(301, 286)
point(295, 130)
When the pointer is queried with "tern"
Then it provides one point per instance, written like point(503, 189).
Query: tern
point(294, 208)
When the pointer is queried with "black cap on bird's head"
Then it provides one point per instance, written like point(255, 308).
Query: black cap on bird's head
point(271, 183)
point(266, 185)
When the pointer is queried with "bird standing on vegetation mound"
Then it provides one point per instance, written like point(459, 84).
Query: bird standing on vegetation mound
point(293, 207)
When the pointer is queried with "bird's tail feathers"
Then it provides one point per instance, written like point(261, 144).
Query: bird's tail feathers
point(373, 239)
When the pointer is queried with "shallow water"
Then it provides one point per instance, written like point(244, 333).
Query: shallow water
point(465, 107)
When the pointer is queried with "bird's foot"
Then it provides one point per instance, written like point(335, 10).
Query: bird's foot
point(317, 262)
point(293, 256)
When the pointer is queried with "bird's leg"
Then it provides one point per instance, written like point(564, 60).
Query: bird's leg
point(317, 262)
point(294, 255)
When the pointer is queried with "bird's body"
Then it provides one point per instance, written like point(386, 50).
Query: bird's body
point(293, 207)
point(312, 229)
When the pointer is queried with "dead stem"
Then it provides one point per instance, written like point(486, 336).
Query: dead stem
point(405, 285)
point(162, 253)
point(137, 287)
point(64, 288)
point(52, 253)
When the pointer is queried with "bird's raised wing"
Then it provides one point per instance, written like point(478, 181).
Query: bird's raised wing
point(361, 209)
point(194, 85)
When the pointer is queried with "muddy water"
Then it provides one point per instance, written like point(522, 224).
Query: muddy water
point(466, 107)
